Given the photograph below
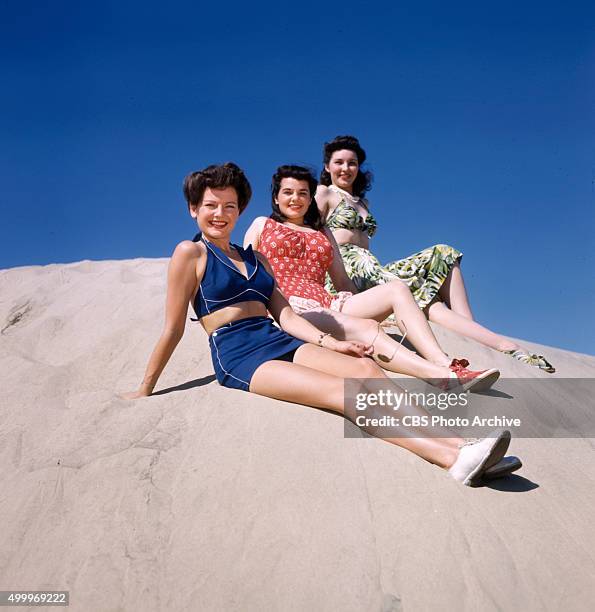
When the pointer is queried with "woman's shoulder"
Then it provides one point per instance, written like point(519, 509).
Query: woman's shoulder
point(188, 249)
point(253, 233)
point(327, 200)
point(323, 190)
point(259, 223)
point(187, 264)
point(325, 195)
point(257, 227)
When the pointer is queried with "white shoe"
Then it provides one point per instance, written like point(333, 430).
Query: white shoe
point(475, 457)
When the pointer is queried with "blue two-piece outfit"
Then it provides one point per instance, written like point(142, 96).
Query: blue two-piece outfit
point(240, 347)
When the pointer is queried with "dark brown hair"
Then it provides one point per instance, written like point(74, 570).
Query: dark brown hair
point(217, 177)
point(363, 180)
point(312, 216)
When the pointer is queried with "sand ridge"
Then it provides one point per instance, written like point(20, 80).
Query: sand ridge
point(204, 498)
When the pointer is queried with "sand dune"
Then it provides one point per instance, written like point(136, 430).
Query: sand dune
point(204, 498)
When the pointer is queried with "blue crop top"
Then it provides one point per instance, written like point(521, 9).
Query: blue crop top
point(224, 285)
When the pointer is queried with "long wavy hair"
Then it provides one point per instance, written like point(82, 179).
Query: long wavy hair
point(363, 180)
point(312, 217)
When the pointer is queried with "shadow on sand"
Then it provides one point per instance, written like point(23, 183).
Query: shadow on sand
point(494, 393)
point(512, 484)
point(191, 384)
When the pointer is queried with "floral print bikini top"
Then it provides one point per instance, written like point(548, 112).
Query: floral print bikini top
point(299, 260)
point(346, 216)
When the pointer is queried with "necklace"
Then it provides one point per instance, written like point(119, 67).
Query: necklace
point(349, 196)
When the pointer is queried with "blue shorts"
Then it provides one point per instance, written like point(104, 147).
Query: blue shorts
point(240, 347)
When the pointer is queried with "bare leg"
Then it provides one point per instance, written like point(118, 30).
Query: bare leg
point(438, 312)
point(316, 378)
point(347, 327)
point(453, 292)
point(379, 302)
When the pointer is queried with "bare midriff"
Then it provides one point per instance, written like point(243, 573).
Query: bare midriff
point(241, 310)
point(357, 237)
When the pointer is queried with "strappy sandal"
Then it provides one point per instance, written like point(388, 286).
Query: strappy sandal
point(539, 361)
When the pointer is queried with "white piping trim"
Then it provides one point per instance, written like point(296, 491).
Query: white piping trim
point(236, 295)
point(256, 266)
point(204, 298)
point(221, 365)
point(234, 268)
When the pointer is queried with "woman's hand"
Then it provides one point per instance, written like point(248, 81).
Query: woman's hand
point(143, 391)
point(347, 347)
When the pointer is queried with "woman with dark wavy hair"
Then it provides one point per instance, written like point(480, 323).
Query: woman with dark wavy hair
point(231, 289)
point(301, 253)
point(433, 274)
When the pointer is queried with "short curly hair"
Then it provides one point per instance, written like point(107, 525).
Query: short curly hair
point(217, 177)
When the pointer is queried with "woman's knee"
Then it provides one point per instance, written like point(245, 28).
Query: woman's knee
point(370, 369)
point(400, 288)
point(368, 328)
point(436, 311)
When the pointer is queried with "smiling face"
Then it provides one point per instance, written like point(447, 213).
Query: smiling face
point(343, 168)
point(218, 212)
point(294, 199)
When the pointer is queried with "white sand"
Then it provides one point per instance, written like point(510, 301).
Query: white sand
point(205, 498)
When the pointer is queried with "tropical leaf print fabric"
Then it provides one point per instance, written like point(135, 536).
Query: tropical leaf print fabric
point(346, 216)
point(424, 272)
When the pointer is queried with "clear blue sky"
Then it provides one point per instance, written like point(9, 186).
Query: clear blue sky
point(478, 120)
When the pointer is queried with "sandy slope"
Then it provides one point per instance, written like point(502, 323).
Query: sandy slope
point(202, 498)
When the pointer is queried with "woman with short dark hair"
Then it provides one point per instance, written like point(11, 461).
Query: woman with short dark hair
point(231, 289)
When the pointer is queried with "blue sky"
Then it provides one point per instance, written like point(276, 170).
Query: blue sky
point(478, 120)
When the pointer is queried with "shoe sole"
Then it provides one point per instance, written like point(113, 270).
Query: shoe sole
point(483, 382)
point(494, 455)
point(506, 466)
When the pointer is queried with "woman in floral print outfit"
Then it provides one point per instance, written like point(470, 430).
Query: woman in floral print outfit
point(433, 274)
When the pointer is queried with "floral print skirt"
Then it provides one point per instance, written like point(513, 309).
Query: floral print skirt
point(424, 272)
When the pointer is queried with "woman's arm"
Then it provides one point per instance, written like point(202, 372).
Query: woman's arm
point(298, 327)
point(341, 280)
point(182, 280)
point(322, 197)
point(253, 233)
